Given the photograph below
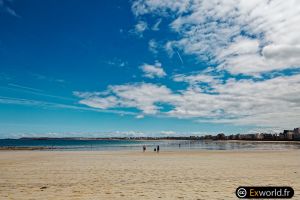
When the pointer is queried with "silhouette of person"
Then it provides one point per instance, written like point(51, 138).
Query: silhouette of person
point(157, 148)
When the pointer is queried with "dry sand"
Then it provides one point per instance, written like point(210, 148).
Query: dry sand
point(97, 175)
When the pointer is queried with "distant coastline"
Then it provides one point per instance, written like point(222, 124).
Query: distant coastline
point(287, 137)
point(50, 143)
point(25, 148)
point(204, 138)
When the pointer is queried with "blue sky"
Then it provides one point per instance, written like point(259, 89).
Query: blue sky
point(119, 68)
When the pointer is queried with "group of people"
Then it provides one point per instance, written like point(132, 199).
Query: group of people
point(155, 149)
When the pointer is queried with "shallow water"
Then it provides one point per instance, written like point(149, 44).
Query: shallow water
point(137, 144)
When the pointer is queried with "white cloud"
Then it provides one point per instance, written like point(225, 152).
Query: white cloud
point(152, 71)
point(117, 62)
point(168, 133)
point(204, 76)
point(288, 55)
point(139, 28)
point(273, 102)
point(265, 103)
point(139, 116)
point(155, 27)
point(255, 38)
point(240, 36)
point(142, 96)
point(153, 46)
point(141, 7)
point(102, 103)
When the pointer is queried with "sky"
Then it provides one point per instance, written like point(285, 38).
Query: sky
point(148, 67)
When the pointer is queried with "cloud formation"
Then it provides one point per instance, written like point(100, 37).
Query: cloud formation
point(142, 96)
point(153, 71)
point(240, 36)
point(249, 45)
point(139, 28)
point(272, 102)
point(155, 27)
point(153, 46)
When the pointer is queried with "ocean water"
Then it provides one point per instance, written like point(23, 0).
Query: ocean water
point(136, 145)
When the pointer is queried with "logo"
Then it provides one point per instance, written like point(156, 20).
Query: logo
point(241, 192)
point(276, 192)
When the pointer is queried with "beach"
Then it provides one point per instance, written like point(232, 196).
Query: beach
point(71, 175)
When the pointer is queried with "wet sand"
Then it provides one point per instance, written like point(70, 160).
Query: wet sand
point(72, 175)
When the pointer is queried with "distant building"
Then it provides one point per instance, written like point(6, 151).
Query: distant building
point(231, 137)
point(288, 134)
point(208, 137)
point(280, 136)
point(221, 136)
point(259, 136)
point(238, 137)
point(297, 134)
point(268, 136)
point(248, 137)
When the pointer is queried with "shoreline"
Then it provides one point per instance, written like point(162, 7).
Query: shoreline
point(95, 148)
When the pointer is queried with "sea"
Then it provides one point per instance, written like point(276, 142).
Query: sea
point(136, 145)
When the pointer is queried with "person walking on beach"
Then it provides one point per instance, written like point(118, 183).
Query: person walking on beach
point(144, 148)
point(157, 148)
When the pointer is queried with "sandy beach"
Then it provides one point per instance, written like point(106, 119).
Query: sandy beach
point(135, 175)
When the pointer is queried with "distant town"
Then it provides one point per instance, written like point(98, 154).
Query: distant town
point(286, 135)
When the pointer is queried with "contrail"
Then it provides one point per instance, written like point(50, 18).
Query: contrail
point(23, 87)
point(179, 57)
